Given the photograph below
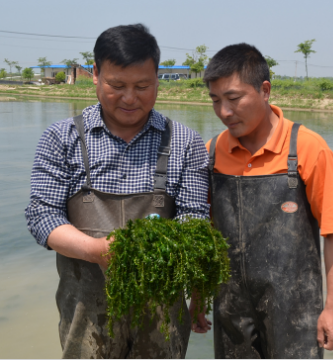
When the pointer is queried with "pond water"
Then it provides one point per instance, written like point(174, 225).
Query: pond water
point(28, 276)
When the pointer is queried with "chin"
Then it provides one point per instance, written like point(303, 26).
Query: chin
point(235, 133)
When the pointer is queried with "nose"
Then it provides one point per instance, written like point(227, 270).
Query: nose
point(225, 111)
point(129, 97)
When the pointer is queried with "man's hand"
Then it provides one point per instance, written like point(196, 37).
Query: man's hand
point(73, 243)
point(202, 325)
point(325, 321)
point(325, 329)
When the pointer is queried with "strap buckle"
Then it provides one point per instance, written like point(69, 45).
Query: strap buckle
point(164, 152)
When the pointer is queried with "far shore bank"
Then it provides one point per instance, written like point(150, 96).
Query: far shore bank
point(7, 96)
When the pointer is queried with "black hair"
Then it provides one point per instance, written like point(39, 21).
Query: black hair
point(125, 45)
point(243, 59)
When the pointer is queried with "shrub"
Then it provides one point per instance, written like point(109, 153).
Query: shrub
point(27, 74)
point(325, 85)
point(60, 76)
point(193, 83)
point(285, 84)
point(3, 73)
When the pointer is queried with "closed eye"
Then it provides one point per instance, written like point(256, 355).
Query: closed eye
point(117, 87)
point(215, 99)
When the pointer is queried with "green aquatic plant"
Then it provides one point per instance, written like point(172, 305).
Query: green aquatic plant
point(154, 260)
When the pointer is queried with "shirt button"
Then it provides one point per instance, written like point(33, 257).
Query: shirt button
point(124, 176)
point(249, 165)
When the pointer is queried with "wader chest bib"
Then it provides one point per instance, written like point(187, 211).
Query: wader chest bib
point(271, 305)
point(81, 298)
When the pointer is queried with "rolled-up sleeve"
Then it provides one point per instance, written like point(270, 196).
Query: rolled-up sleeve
point(49, 187)
point(192, 189)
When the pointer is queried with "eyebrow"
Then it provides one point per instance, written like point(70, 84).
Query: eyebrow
point(120, 81)
point(229, 92)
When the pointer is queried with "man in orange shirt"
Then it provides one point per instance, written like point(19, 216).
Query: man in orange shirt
point(271, 186)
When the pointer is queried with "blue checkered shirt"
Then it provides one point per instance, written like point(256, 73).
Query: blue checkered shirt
point(116, 167)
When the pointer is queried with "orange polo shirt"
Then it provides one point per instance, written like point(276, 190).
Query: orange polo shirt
point(315, 164)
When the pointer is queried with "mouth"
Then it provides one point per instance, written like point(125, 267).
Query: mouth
point(232, 125)
point(128, 111)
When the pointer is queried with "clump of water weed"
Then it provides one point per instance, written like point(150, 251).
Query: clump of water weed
point(154, 260)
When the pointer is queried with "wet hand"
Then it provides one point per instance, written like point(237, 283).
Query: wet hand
point(325, 329)
point(102, 250)
point(202, 324)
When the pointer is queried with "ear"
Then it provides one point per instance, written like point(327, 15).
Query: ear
point(266, 89)
point(95, 74)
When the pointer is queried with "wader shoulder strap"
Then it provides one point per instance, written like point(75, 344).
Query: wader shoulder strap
point(212, 154)
point(79, 124)
point(292, 158)
point(163, 154)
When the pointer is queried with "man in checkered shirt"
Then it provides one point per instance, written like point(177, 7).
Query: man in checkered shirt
point(123, 134)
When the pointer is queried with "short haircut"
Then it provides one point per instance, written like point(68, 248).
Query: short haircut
point(125, 45)
point(243, 59)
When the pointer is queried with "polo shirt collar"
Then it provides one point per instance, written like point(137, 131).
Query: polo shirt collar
point(92, 115)
point(276, 141)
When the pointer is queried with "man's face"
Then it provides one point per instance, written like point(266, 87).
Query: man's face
point(239, 105)
point(126, 94)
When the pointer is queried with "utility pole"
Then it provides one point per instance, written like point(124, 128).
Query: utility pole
point(295, 71)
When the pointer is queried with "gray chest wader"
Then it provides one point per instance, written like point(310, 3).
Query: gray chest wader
point(81, 298)
point(271, 305)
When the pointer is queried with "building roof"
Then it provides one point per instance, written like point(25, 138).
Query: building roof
point(90, 66)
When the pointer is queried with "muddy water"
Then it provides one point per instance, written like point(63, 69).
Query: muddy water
point(28, 277)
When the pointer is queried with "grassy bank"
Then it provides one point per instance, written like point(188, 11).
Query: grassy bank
point(311, 94)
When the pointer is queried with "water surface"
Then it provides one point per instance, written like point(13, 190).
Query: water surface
point(28, 277)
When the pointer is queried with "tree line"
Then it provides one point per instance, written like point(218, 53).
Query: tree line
point(196, 61)
point(28, 74)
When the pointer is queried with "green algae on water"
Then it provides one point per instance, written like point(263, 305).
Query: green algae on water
point(154, 260)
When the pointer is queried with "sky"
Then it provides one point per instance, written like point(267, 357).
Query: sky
point(274, 27)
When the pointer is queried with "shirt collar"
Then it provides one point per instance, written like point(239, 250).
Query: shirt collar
point(92, 115)
point(276, 141)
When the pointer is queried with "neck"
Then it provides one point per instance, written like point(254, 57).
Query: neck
point(262, 134)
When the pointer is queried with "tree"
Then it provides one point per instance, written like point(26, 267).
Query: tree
point(3, 73)
point(305, 49)
point(198, 60)
point(271, 62)
point(88, 56)
point(70, 63)
point(169, 63)
point(42, 62)
point(18, 68)
point(27, 74)
point(10, 64)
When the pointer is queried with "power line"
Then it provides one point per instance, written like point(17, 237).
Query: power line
point(81, 41)
point(85, 38)
point(47, 35)
point(303, 62)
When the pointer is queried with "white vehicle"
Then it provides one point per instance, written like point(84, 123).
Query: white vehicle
point(170, 76)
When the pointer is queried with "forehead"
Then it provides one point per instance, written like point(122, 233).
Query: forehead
point(228, 84)
point(144, 68)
